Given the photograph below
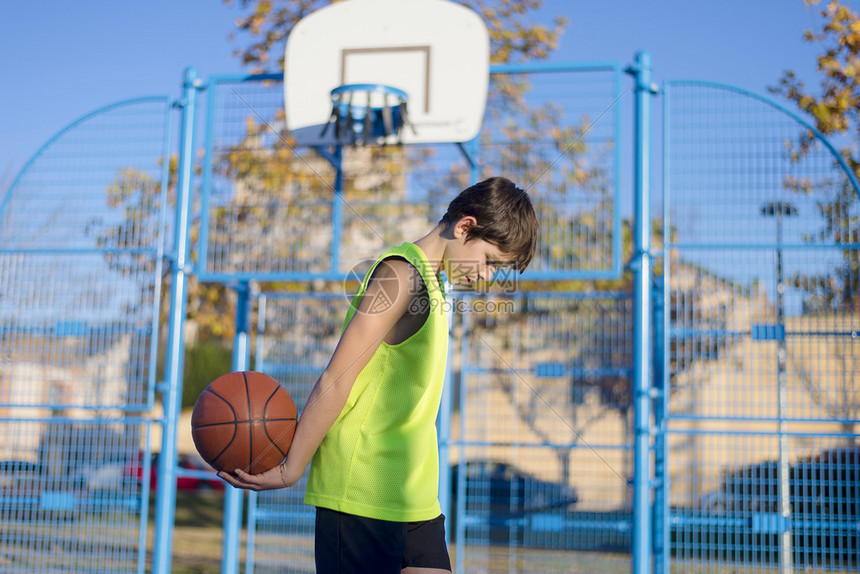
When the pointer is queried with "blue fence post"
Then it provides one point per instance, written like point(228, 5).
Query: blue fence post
point(641, 264)
point(233, 496)
point(460, 503)
point(337, 208)
point(260, 366)
point(174, 362)
point(660, 518)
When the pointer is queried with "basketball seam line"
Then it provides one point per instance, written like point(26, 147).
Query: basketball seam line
point(279, 420)
point(250, 428)
point(266, 427)
point(232, 438)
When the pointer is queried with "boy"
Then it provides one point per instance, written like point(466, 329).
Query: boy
point(369, 421)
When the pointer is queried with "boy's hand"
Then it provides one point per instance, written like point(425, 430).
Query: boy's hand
point(269, 480)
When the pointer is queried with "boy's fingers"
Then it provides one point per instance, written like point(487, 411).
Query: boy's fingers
point(237, 481)
point(241, 479)
point(244, 475)
point(227, 477)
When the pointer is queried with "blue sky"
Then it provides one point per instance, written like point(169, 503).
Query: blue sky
point(63, 59)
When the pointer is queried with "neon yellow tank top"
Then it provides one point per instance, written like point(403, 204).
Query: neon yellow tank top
point(380, 457)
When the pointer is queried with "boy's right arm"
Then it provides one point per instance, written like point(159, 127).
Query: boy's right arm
point(359, 342)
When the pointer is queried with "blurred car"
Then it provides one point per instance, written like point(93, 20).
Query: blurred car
point(822, 501)
point(196, 483)
point(828, 484)
point(820, 484)
point(500, 496)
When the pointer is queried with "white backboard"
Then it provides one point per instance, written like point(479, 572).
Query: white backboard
point(437, 51)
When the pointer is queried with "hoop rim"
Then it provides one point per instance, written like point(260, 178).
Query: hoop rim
point(374, 88)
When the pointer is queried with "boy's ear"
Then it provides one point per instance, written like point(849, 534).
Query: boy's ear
point(462, 227)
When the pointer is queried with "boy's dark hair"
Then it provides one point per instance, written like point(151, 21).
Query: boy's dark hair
point(504, 214)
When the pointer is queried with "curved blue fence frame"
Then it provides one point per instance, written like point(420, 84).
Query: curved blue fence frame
point(81, 250)
point(747, 504)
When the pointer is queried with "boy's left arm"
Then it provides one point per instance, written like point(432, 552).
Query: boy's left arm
point(362, 336)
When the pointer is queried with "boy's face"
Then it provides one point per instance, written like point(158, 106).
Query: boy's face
point(468, 262)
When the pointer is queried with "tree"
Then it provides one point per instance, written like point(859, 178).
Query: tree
point(137, 195)
point(514, 36)
point(835, 110)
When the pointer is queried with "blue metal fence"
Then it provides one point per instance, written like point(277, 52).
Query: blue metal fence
point(761, 226)
point(296, 335)
point(275, 212)
point(81, 245)
point(541, 432)
point(740, 330)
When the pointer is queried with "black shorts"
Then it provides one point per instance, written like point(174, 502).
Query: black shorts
point(349, 544)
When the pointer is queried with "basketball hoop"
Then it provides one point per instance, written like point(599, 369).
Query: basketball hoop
point(367, 113)
point(435, 52)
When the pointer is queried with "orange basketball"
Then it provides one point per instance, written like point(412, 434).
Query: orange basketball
point(243, 420)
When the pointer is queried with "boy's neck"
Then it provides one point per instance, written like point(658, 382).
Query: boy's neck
point(433, 245)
